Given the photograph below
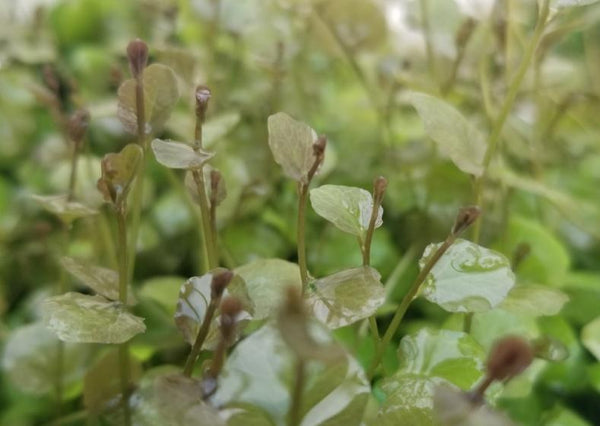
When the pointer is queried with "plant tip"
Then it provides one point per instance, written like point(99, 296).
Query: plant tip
point(379, 186)
point(137, 53)
point(77, 125)
point(220, 281)
point(466, 217)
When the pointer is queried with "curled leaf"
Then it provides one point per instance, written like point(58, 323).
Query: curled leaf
point(118, 172)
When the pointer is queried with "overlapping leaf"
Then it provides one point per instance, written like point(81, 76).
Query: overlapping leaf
point(178, 155)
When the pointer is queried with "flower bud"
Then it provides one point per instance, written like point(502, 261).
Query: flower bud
point(203, 95)
point(220, 281)
point(230, 309)
point(137, 53)
point(379, 187)
point(215, 180)
point(509, 357)
point(319, 146)
point(77, 125)
point(466, 217)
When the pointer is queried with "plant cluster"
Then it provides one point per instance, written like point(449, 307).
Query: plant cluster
point(198, 272)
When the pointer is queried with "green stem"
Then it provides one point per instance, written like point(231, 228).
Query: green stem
point(296, 404)
point(200, 338)
point(73, 174)
point(124, 361)
point(511, 96)
point(406, 301)
point(209, 245)
point(428, 39)
point(300, 233)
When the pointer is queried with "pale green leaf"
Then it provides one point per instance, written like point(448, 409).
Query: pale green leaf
point(267, 281)
point(534, 300)
point(409, 400)
point(291, 143)
point(590, 337)
point(259, 372)
point(103, 281)
point(346, 297)
point(177, 155)
point(562, 4)
point(60, 206)
point(348, 208)
point(218, 127)
point(160, 95)
point(118, 172)
point(76, 317)
point(467, 278)
point(455, 136)
point(30, 359)
point(193, 301)
point(163, 290)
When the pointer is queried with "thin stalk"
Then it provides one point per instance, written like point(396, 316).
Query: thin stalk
point(296, 404)
point(406, 301)
point(201, 337)
point(138, 194)
point(424, 4)
point(73, 174)
point(124, 367)
point(366, 252)
point(300, 233)
point(205, 215)
point(513, 90)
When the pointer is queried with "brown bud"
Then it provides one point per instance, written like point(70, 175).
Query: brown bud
point(464, 32)
point(465, 218)
point(509, 356)
point(203, 95)
point(137, 53)
point(230, 309)
point(215, 179)
point(379, 187)
point(319, 146)
point(220, 281)
point(77, 125)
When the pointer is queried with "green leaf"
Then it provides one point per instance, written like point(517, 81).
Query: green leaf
point(348, 208)
point(163, 290)
point(76, 317)
point(30, 359)
point(489, 326)
point(218, 127)
point(563, 4)
point(172, 400)
point(451, 355)
point(454, 135)
point(547, 261)
point(259, 372)
point(246, 415)
point(193, 301)
point(177, 155)
point(291, 143)
point(118, 172)
point(267, 281)
point(590, 337)
point(160, 95)
point(346, 297)
point(467, 278)
point(534, 300)
point(66, 210)
point(429, 358)
point(103, 281)
point(101, 385)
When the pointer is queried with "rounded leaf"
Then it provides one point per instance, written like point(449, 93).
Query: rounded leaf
point(467, 278)
point(348, 208)
point(76, 317)
point(60, 206)
point(177, 155)
point(535, 300)
point(346, 297)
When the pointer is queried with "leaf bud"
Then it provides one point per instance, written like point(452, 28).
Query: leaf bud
point(230, 309)
point(509, 356)
point(379, 187)
point(466, 217)
point(219, 283)
point(203, 95)
point(77, 125)
point(137, 53)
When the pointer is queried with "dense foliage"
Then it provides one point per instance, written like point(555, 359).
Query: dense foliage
point(300, 212)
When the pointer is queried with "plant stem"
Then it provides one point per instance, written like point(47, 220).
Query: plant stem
point(138, 194)
point(123, 280)
point(73, 174)
point(300, 233)
point(424, 4)
point(513, 90)
point(296, 404)
point(406, 301)
point(201, 337)
point(209, 245)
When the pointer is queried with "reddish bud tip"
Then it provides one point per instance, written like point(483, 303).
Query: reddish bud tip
point(215, 179)
point(379, 187)
point(77, 125)
point(465, 218)
point(203, 95)
point(509, 356)
point(294, 303)
point(220, 282)
point(137, 53)
point(319, 146)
